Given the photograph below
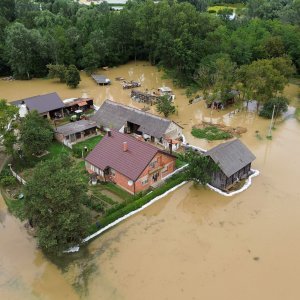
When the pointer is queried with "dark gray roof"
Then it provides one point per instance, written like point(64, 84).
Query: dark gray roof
point(115, 115)
point(100, 79)
point(75, 127)
point(231, 156)
point(42, 103)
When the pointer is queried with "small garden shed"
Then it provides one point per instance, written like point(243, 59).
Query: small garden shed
point(234, 160)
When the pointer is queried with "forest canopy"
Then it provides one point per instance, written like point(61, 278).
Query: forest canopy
point(180, 36)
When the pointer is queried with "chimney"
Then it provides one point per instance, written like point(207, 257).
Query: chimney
point(125, 146)
point(109, 133)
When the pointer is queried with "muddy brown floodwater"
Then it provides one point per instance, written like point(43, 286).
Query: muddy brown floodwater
point(194, 243)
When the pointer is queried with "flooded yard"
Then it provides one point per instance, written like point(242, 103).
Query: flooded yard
point(194, 243)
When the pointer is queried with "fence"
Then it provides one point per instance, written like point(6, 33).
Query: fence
point(18, 177)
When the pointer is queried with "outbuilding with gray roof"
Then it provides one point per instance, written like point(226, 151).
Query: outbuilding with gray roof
point(127, 119)
point(234, 160)
point(49, 105)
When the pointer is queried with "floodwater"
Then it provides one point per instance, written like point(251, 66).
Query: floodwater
point(194, 243)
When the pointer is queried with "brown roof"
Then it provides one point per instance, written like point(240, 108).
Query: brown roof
point(109, 153)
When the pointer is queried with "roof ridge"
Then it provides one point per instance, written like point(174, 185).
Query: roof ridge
point(135, 139)
point(136, 109)
point(32, 97)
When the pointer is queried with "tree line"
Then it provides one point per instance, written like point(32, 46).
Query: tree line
point(179, 36)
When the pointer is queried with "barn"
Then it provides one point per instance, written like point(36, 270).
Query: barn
point(234, 160)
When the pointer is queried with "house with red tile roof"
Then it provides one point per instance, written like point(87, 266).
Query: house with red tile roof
point(133, 165)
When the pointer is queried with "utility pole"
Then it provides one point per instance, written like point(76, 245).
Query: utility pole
point(271, 124)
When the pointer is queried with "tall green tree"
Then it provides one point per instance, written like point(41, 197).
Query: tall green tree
point(7, 9)
point(8, 114)
point(36, 134)
point(72, 76)
point(200, 168)
point(25, 51)
point(278, 104)
point(57, 71)
point(264, 79)
point(165, 106)
point(54, 199)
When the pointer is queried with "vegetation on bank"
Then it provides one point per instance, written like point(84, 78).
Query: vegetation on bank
point(200, 168)
point(210, 133)
point(135, 203)
point(35, 34)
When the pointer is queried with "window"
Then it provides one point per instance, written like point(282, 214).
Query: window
point(165, 169)
point(144, 180)
point(112, 172)
point(152, 164)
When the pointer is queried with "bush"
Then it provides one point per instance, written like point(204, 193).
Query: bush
point(281, 105)
point(8, 180)
point(77, 152)
point(124, 208)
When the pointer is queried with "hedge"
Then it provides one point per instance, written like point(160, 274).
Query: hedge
point(125, 208)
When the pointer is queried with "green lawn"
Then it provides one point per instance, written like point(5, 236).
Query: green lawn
point(210, 133)
point(78, 149)
point(56, 149)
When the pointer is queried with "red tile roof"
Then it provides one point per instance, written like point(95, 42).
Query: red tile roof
point(131, 163)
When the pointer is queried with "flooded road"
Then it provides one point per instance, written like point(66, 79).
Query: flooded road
point(194, 243)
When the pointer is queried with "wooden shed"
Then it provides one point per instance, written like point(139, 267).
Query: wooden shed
point(234, 160)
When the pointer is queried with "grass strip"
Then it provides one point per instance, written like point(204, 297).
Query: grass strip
point(211, 133)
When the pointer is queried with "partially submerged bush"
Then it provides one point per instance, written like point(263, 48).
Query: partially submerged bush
point(278, 104)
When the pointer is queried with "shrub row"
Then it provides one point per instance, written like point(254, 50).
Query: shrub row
point(124, 208)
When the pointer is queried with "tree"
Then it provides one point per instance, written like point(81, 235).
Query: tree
point(57, 71)
point(224, 78)
point(8, 9)
point(264, 78)
point(25, 51)
point(36, 134)
point(200, 168)
point(279, 103)
point(72, 76)
point(165, 106)
point(54, 199)
point(7, 115)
